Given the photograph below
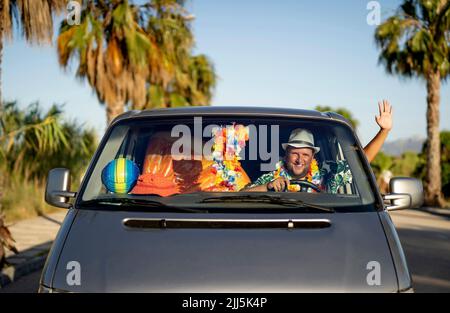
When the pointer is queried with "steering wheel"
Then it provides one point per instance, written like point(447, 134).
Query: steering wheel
point(304, 185)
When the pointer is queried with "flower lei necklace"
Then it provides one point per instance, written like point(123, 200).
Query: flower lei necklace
point(313, 175)
point(228, 141)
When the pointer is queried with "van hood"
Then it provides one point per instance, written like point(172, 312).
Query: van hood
point(182, 252)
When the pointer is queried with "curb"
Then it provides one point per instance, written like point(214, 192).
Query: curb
point(13, 272)
point(34, 238)
point(441, 212)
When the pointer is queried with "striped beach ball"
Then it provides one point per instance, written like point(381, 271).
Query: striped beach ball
point(120, 175)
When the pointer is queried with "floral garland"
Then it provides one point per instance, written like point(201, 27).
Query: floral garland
point(313, 175)
point(230, 139)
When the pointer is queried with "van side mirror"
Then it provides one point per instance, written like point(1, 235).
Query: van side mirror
point(406, 193)
point(57, 190)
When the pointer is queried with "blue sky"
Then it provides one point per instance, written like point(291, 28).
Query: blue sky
point(291, 53)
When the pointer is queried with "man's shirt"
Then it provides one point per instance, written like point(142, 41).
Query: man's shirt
point(330, 177)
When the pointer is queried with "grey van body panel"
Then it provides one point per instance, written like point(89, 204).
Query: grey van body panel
point(398, 256)
point(55, 251)
point(114, 258)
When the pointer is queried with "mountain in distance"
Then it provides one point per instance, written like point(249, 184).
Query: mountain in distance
point(399, 146)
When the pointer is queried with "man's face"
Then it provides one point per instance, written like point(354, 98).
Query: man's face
point(298, 161)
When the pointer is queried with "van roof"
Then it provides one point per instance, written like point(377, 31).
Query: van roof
point(230, 110)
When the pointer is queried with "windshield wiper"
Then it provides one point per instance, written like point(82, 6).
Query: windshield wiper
point(267, 199)
point(142, 203)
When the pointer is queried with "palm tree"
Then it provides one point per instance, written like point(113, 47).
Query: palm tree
point(415, 42)
point(202, 81)
point(169, 25)
point(112, 51)
point(28, 137)
point(34, 18)
point(192, 88)
point(188, 80)
point(137, 56)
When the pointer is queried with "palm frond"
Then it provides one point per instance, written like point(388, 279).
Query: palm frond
point(137, 55)
point(33, 142)
point(34, 18)
point(415, 41)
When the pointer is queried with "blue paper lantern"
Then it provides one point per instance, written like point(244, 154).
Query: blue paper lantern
point(120, 175)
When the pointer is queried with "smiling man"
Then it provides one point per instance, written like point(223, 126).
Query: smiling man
point(299, 164)
point(296, 165)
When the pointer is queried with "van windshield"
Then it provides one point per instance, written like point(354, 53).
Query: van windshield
point(204, 160)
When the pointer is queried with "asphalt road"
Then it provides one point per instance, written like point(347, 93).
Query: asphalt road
point(425, 238)
point(25, 284)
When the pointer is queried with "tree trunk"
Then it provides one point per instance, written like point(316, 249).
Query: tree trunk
point(1, 50)
point(433, 184)
point(113, 110)
point(1, 99)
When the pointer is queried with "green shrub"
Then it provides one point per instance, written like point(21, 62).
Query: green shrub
point(31, 143)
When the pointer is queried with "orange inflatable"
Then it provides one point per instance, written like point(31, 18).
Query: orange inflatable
point(157, 175)
point(164, 176)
